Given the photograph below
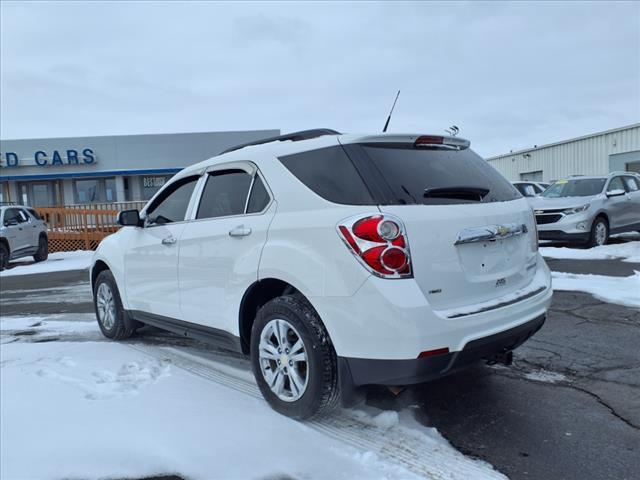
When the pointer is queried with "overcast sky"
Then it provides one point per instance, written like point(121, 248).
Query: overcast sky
point(510, 75)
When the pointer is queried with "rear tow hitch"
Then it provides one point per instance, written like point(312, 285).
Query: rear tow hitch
point(504, 358)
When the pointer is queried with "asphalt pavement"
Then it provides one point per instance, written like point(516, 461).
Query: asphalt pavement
point(568, 408)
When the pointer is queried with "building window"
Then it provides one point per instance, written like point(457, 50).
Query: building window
point(4, 192)
point(110, 189)
point(151, 184)
point(95, 190)
point(39, 194)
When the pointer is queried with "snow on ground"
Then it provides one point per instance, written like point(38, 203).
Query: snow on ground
point(93, 408)
point(545, 376)
point(57, 262)
point(629, 252)
point(621, 290)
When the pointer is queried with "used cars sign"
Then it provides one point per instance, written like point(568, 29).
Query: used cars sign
point(42, 159)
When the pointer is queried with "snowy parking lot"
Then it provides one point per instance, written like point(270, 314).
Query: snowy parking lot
point(75, 405)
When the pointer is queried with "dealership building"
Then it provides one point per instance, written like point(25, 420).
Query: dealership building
point(66, 171)
point(596, 154)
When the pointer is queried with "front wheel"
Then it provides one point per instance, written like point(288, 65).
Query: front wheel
point(4, 256)
point(43, 249)
point(293, 359)
point(108, 306)
point(599, 233)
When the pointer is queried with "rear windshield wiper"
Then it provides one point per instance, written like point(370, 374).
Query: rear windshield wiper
point(461, 192)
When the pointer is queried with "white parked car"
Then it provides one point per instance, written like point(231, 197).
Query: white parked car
point(334, 261)
point(530, 188)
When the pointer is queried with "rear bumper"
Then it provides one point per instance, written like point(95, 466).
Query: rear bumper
point(362, 371)
point(560, 236)
point(393, 320)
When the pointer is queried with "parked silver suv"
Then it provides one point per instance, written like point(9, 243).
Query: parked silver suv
point(22, 233)
point(587, 209)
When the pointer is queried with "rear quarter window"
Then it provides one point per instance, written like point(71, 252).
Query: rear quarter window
point(330, 173)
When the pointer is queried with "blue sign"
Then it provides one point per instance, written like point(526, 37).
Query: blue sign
point(42, 159)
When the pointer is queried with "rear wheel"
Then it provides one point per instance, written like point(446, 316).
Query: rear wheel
point(108, 306)
point(293, 358)
point(599, 233)
point(4, 256)
point(43, 249)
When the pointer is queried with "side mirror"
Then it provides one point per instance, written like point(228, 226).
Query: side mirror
point(615, 193)
point(129, 218)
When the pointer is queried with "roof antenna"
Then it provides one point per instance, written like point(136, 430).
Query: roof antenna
point(452, 130)
point(390, 113)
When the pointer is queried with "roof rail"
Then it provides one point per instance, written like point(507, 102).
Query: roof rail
point(294, 137)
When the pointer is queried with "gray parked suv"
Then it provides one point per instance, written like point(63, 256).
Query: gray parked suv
point(22, 233)
point(587, 210)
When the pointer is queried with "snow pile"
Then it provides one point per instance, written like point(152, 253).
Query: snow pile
point(57, 262)
point(102, 409)
point(629, 252)
point(621, 290)
point(118, 414)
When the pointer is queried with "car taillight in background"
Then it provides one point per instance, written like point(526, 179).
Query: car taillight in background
point(380, 243)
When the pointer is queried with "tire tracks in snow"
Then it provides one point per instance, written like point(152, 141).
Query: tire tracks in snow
point(403, 445)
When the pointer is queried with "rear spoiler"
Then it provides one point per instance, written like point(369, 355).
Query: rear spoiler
point(416, 140)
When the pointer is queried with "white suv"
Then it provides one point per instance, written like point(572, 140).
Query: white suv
point(335, 261)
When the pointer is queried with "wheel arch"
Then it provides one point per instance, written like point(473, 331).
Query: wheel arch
point(603, 214)
point(259, 293)
point(98, 267)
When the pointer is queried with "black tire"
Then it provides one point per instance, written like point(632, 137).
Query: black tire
point(4, 256)
point(322, 392)
point(593, 237)
point(43, 249)
point(118, 330)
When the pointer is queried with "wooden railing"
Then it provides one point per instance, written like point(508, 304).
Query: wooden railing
point(82, 227)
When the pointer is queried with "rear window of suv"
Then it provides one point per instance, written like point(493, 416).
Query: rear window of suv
point(437, 176)
point(398, 174)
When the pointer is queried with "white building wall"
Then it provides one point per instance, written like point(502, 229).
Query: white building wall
point(587, 155)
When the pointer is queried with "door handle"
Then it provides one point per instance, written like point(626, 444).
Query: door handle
point(169, 241)
point(239, 231)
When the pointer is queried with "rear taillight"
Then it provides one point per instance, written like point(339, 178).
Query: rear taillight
point(380, 243)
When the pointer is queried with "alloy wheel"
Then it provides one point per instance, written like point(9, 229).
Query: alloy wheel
point(283, 360)
point(106, 306)
point(601, 233)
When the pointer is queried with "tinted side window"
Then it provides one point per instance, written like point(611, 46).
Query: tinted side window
point(23, 216)
point(172, 205)
point(615, 184)
point(224, 194)
point(632, 184)
point(11, 215)
point(259, 197)
point(410, 171)
point(329, 173)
